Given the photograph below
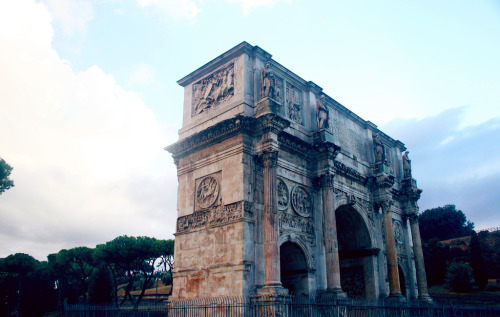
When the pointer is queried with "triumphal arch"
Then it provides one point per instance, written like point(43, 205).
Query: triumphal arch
point(283, 190)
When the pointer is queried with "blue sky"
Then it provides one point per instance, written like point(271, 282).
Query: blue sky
point(89, 99)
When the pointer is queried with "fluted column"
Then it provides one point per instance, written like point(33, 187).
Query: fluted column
point(330, 234)
point(423, 292)
point(271, 222)
point(390, 246)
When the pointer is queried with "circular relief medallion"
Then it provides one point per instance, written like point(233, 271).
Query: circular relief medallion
point(301, 201)
point(207, 192)
point(398, 235)
point(283, 195)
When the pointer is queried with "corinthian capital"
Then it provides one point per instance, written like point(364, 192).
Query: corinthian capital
point(326, 180)
point(385, 205)
point(269, 158)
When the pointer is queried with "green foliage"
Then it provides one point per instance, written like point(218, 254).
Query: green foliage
point(477, 262)
point(5, 182)
point(101, 286)
point(490, 249)
point(436, 257)
point(26, 286)
point(444, 223)
point(459, 277)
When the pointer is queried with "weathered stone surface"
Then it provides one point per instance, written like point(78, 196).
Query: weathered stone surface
point(282, 189)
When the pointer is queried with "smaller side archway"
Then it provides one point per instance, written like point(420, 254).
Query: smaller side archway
point(294, 268)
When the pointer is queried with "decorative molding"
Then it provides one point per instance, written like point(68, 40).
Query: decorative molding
point(271, 122)
point(215, 216)
point(349, 172)
point(212, 135)
point(294, 144)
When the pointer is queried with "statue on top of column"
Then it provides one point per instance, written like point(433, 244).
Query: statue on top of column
point(406, 165)
point(322, 113)
point(379, 149)
point(267, 81)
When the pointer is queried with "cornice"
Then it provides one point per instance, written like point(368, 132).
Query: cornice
point(293, 144)
point(214, 134)
point(271, 122)
point(242, 48)
point(349, 172)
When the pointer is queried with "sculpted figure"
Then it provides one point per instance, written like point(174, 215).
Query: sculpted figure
point(266, 81)
point(379, 149)
point(322, 113)
point(406, 165)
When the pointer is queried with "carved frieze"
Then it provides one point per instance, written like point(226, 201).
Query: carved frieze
point(349, 172)
point(300, 224)
point(294, 105)
point(213, 90)
point(207, 192)
point(301, 201)
point(215, 215)
point(283, 195)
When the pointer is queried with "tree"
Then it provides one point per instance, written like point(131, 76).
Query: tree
point(73, 268)
point(100, 286)
point(444, 223)
point(477, 262)
point(436, 258)
point(133, 257)
point(5, 182)
point(26, 286)
point(459, 276)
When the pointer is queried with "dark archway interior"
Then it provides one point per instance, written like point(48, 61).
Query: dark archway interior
point(354, 251)
point(402, 281)
point(293, 269)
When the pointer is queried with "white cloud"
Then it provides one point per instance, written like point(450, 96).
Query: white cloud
point(248, 5)
point(85, 151)
point(71, 15)
point(175, 8)
point(143, 75)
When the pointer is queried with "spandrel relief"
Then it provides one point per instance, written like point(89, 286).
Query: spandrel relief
point(213, 90)
point(294, 105)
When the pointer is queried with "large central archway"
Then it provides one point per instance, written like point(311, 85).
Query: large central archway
point(294, 271)
point(356, 254)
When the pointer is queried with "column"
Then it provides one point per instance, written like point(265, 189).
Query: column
point(390, 246)
point(423, 292)
point(330, 234)
point(271, 224)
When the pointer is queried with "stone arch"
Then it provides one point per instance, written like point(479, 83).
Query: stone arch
point(295, 272)
point(291, 237)
point(346, 200)
point(357, 251)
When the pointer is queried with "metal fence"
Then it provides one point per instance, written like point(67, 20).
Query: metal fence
point(282, 306)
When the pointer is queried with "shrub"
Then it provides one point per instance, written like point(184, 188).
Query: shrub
point(459, 276)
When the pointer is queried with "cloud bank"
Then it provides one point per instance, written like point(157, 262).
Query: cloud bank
point(455, 165)
point(86, 152)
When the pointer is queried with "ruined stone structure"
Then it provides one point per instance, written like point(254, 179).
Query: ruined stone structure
point(282, 190)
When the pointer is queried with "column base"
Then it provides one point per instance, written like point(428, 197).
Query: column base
point(426, 299)
point(335, 293)
point(396, 297)
point(273, 288)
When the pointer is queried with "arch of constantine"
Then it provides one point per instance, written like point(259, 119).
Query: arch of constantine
point(282, 190)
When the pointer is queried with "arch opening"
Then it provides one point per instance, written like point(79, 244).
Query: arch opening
point(357, 276)
point(402, 281)
point(294, 270)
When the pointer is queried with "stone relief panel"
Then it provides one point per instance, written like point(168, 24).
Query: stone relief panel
point(213, 90)
point(214, 216)
point(294, 104)
point(207, 191)
point(283, 195)
point(301, 201)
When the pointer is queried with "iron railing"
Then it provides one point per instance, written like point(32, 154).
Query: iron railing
point(282, 306)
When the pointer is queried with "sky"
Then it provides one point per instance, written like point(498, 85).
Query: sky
point(89, 99)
